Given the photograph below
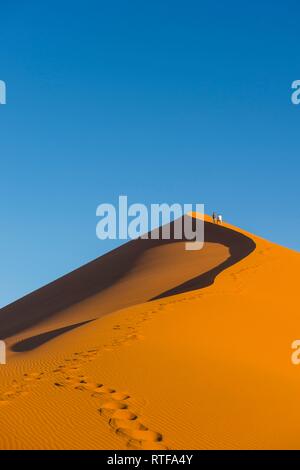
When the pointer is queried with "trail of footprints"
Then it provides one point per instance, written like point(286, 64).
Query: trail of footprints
point(23, 386)
point(130, 333)
point(113, 405)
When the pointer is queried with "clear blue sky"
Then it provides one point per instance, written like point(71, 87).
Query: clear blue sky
point(165, 101)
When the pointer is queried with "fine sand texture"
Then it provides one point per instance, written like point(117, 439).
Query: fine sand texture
point(154, 347)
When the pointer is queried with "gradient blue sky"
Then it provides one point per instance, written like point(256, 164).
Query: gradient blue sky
point(165, 101)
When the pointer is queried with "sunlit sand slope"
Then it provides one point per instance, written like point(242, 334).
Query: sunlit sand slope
point(157, 347)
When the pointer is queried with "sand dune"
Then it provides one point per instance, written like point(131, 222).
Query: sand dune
point(152, 346)
point(138, 271)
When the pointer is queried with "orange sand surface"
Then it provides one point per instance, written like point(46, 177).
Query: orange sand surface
point(155, 347)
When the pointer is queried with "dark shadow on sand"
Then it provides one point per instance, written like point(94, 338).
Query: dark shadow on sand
point(35, 341)
point(104, 272)
point(239, 246)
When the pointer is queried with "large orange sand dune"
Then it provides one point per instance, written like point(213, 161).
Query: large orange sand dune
point(152, 346)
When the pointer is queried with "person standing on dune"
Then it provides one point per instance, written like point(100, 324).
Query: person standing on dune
point(214, 217)
point(219, 219)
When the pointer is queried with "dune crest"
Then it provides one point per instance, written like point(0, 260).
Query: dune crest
point(136, 272)
point(155, 347)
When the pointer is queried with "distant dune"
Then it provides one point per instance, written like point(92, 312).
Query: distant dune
point(152, 346)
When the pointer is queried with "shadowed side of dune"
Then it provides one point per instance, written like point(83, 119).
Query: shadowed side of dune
point(105, 272)
point(239, 246)
point(35, 341)
point(68, 290)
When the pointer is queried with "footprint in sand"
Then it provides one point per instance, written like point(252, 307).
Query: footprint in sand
point(127, 425)
point(32, 376)
point(129, 339)
point(20, 388)
point(113, 407)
